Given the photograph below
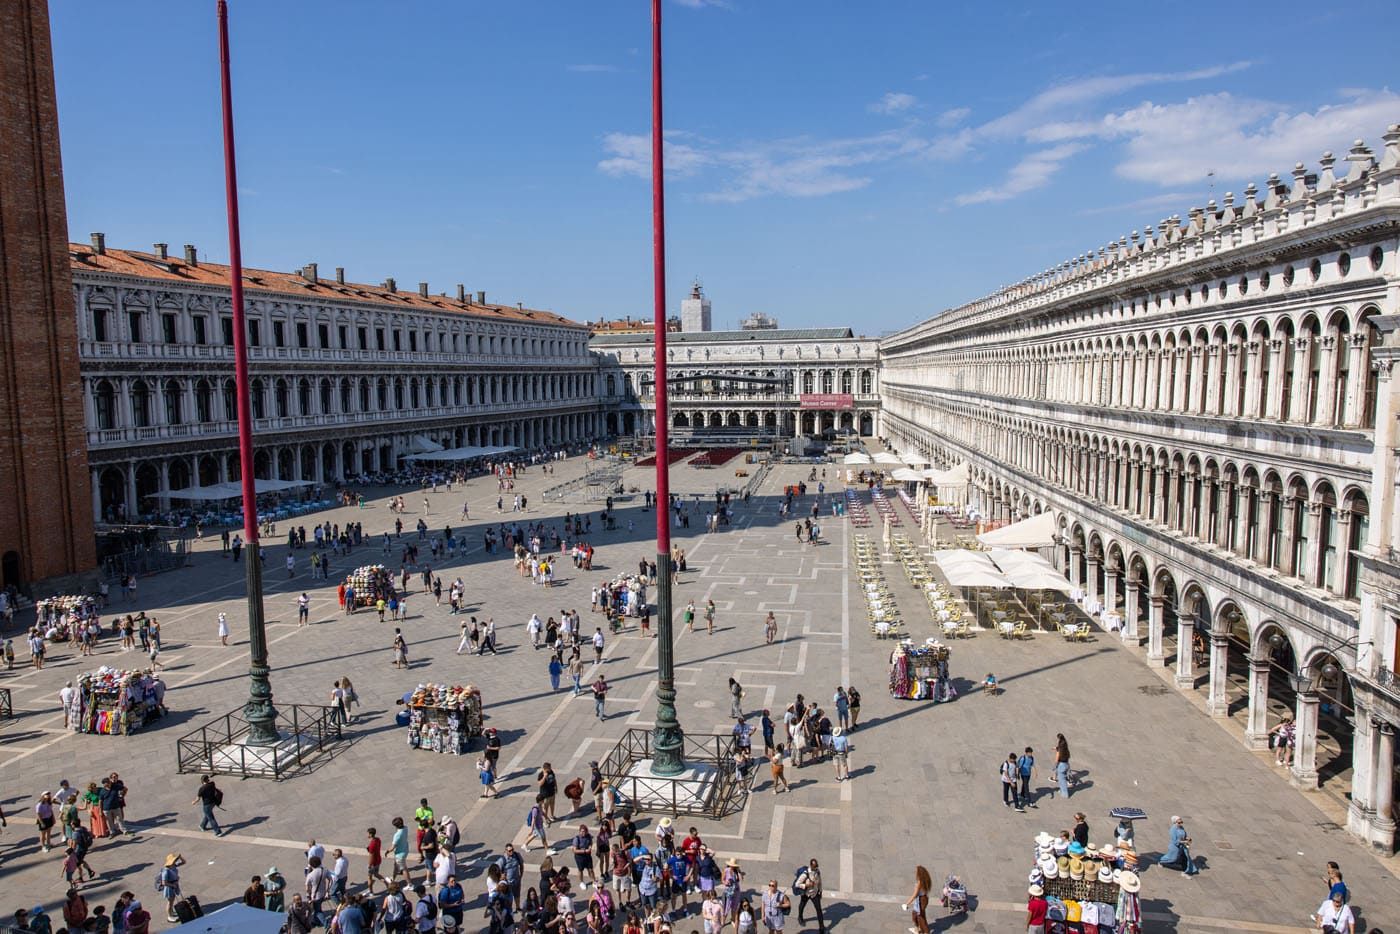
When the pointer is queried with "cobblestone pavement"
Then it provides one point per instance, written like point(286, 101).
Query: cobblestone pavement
point(925, 786)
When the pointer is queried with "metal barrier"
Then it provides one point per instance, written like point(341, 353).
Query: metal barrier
point(306, 731)
point(7, 709)
point(716, 796)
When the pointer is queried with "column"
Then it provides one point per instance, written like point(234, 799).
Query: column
point(1185, 662)
point(1360, 812)
point(1218, 700)
point(1304, 773)
point(131, 504)
point(1302, 370)
point(1256, 733)
point(1325, 389)
point(97, 495)
point(1223, 528)
point(1356, 377)
point(1277, 373)
point(1383, 795)
point(1285, 547)
point(1093, 584)
point(1312, 560)
point(1154, 630)
point(1110, 587)
point(1131, 611)
point(1075, 554)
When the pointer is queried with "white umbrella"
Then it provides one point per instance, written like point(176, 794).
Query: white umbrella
point(904, 473)
point(885, 457)
point(856, 458)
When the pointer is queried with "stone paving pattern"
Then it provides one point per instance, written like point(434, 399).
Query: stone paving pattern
point(925, 786)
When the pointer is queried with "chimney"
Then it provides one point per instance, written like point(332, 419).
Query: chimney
point(423, 289)
point(162, 250)
point(340, 274)
point(461, 293)
point(309, 273)
point(520, 305)
point(391, 285)
point(191, 257)
point(99, 244)
point(481, 298)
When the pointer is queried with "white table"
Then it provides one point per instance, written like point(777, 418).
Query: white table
point(949, 627)
point(944, 615)
point(1007, 628)
point(1112, 622)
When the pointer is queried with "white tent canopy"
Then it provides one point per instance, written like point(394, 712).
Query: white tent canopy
point(233, 919)
point(462, 454)
point(970, 569)
point(905, 474)
point(885, 457)
point(1035, 532)
point(422, 444)
point(956, 476)
point(856, 458)
point(234, 489)
point(1029, 571)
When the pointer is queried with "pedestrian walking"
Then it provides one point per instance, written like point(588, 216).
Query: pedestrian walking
point(809, 890)
point(374, 850)
point(853, 700)
point(843, 708)
point(1178, 853)
point(223, 629)
point(400, 649)
point(1010, 776)
point(534, 824)
point(841, 753)
point(600, 694)
point(1061, 764)
point(598, 644)
point(208, 797)
point(710, 617)
point(1025, 770)
point(775, 761)
point(776, 905)
point(917, 905)
point(303, 609)
point(689, 616)
point(770, 628)
point(736, 697)
point(556, 668)
point(486, 771)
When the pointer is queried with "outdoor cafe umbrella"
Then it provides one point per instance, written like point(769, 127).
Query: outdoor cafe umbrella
point(1128, 813)
point(856, 458)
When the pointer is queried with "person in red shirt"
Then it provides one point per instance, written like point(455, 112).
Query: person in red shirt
point(1036, 907)
point(375, 848)
point(690, 846)
point(138, 919)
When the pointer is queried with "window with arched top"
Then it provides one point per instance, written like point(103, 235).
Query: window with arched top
point(259, 402)
point(140, 404)
point(204, 401)
point(1358, 520)
point(281, 398)
point(1328, 538)
point(327, 393)
point(104, 399)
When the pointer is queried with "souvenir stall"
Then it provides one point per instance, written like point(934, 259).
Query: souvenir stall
point(113, 702)
point(443, 719)
point(370, 583)
point(920, 672)
point(1094, 887)
point(54, 613)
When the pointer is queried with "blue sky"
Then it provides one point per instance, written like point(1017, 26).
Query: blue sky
point(830, 163)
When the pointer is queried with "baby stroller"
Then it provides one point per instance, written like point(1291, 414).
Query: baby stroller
point(954, 895)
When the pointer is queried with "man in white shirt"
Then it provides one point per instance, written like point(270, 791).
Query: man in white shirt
point(314, 850)
point(534, 627)
point(444, 867)
point(66, 793)
point(1335, 915)
point(340, 872)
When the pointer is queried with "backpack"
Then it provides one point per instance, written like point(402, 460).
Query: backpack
point(218, 797)
point(432, 907)
point(82, 837)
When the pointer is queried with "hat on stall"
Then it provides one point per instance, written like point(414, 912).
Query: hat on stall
point(1105, 875)
point(1049, 869)
point(1117, 874)
point(1036, 891)
point(1076, 849)
point(1076, 870)
point(1043, 839)
point(1036, 876)
point(1091, 868)
point(1041, 852)
point(1092, 850)
point(1129, 882)
point(1063, 863)
point(1108, 852)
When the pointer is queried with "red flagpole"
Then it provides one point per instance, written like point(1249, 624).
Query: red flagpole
point(258, 711)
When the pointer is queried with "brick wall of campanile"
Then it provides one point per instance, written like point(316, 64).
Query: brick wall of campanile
point(45, 501)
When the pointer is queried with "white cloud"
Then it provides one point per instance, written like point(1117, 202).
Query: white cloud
point(951, 118)
point(894, 102)
point(798, 168)
point(1168, 199)
point(590, 68)
point(1169, 144)
point(1030, 173)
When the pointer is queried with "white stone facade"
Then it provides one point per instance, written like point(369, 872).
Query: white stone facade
point(1208, 410)
point(341, 386)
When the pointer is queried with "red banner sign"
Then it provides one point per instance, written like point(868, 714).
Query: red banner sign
point(826, 400)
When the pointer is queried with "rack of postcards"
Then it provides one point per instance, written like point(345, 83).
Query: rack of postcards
point(443, 719)
point(1091, 887)
point(920, 672)
point(112, 702)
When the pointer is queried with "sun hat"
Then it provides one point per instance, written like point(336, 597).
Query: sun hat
point(1091, 849)
point(665, 822)
point(1108, 852)
point(1044, 839)
point(1076, 848)
point(1176, 819)
point(836, 731)
point(171, 858)
point(1049, 869)
point(733, 863)
point(272, 871)
point(1129, 882)
point(1063, 863)
point(1076, 869)
point(1105, 875)
point(1035, 890)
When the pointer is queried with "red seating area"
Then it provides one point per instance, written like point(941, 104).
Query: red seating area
point(672, 455)
point(716, 457)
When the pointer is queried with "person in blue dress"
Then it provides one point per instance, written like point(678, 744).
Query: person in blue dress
point(1179, 851)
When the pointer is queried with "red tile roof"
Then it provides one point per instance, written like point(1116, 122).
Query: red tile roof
point(175, 269)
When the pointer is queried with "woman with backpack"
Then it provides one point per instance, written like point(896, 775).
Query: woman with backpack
point(393, 910)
